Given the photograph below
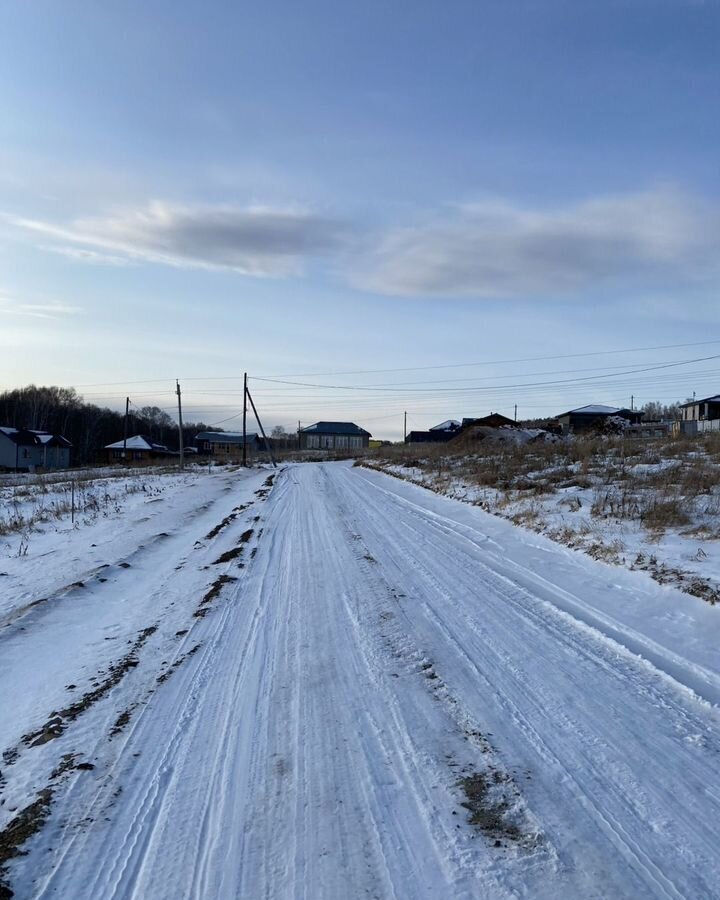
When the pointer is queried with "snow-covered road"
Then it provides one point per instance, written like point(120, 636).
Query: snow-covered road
point(398, 696)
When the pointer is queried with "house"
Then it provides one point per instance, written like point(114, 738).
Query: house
point(700, 415)
point(28, 450)
point(138, 448)
point(334, 436)
point(594, 416)
point(228, 444)
point(438, 434)
point(494, 420)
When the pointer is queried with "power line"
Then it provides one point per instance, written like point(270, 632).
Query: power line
point(346, 387)
point(495, 362)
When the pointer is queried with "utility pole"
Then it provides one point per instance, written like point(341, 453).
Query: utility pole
point(516, 412)
point(180, 427)
point(405, 427)
point(262, 430)
point(632, 401)
point(127, 411)
point(245, 396)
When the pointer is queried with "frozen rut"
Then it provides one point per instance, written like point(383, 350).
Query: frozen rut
point(385, 704)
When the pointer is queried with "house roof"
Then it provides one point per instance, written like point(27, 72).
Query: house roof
point(494, 420)
point(335, 428)
point(30, 437)
point(447, 425)
point(51, 440)
point(598, 409)
point(714, 399)
point(225, 437)
point(594, 409)
point(138, 442)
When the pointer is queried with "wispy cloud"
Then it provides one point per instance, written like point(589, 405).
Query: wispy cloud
point(254, 241)
point(81, 254)
point(11, 306)
point(499, 250)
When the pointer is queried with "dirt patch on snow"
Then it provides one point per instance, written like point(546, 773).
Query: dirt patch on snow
point(262, 492)
point(18, 831)
point(163, 677)
point(214, 532)
point(59, 720)
point(212, 593)
point(229, 555)
point(488, 805)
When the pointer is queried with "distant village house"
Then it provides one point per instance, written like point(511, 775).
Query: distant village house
point(23, 449)
point(438, 434)
point(494, 420)
point(700, 415)
point(227, 444)
point(334, 436)
point(138, 448)
point(594, 416)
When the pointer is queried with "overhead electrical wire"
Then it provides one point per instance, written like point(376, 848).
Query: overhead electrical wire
point(345, 387)
point(491, 362)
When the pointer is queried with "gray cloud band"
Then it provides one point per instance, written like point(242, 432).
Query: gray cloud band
point(486, 250)
point(499, 251)
point(254, 242)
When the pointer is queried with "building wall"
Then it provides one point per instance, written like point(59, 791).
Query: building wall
point(230, 449)
point(118, 455)
point(698, 411)
point(55, 457)
point(587, 421)
point(7, 452)
point(33, 457)
point(334, 441)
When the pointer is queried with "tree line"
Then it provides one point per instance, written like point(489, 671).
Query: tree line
point(88, 427)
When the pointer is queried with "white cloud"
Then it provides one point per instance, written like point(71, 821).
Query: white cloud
point(88, 256)
point(11, 306)
point(254, 241)
point(497, 250)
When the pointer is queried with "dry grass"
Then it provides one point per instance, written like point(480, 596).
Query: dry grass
point(660, 484)
point(40, 499)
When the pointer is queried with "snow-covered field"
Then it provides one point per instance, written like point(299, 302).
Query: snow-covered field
point(340, 684)
point(662, 517)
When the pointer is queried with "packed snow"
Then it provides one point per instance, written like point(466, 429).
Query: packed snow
point(326, 682)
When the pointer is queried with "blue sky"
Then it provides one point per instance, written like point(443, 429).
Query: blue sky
point(300, 190)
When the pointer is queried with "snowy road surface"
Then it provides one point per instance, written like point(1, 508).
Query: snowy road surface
point(396, 696)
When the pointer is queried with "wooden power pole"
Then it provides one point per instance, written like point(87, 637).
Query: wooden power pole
point(262, 430)
point(127, 411)
point(405, 427)
point(245, 396)
point(180, 425)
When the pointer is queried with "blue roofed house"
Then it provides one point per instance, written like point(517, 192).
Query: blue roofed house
point(334, 436)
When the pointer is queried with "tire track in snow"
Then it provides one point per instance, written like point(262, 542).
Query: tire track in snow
point(629, 674)
point(284, 760)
